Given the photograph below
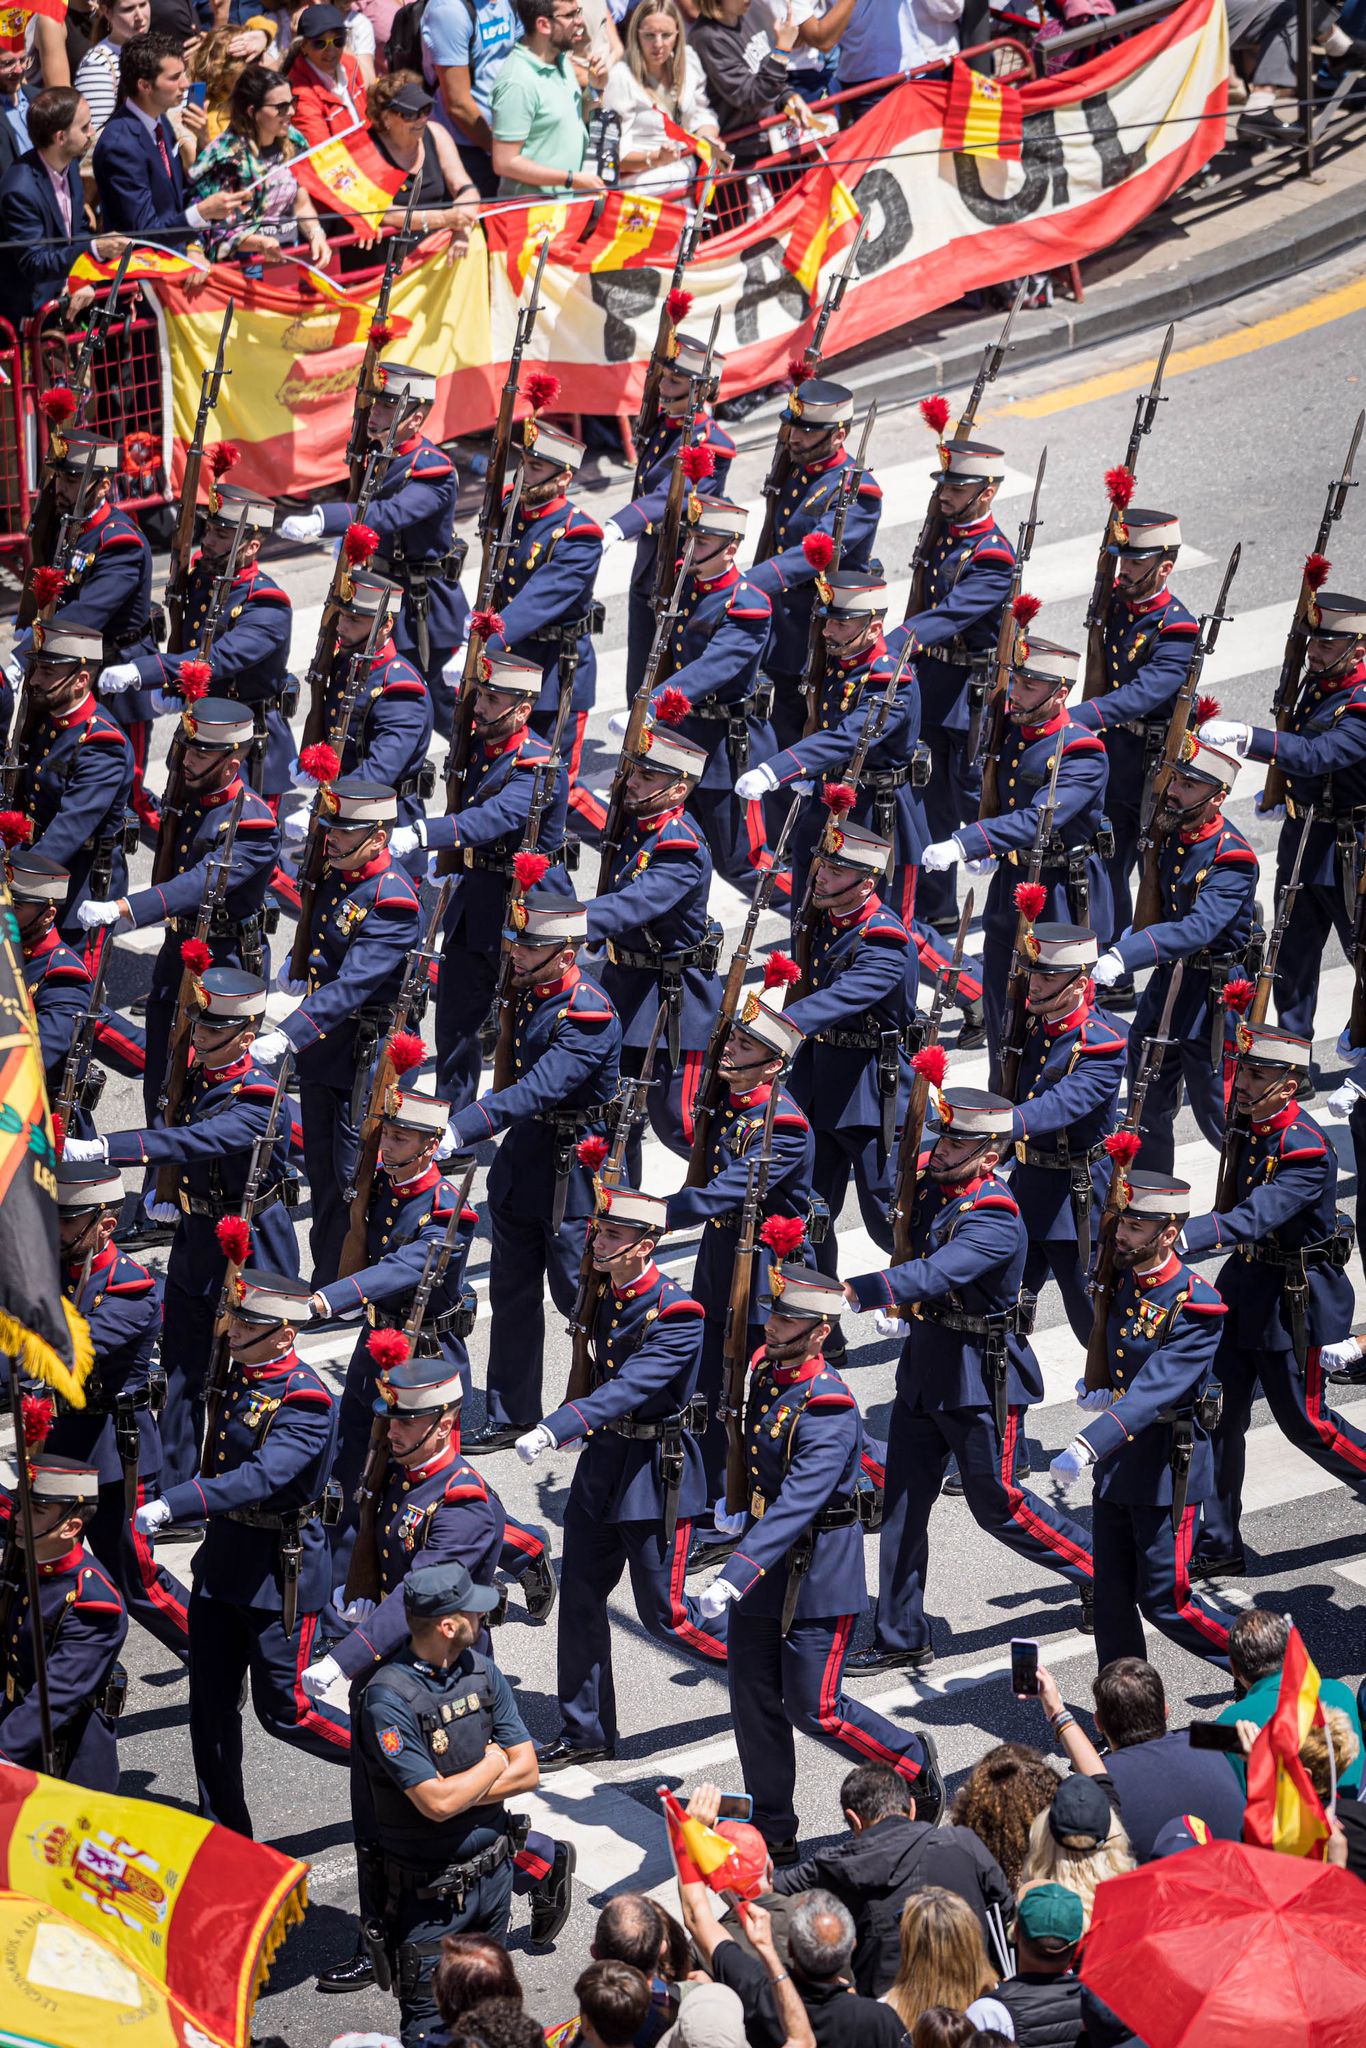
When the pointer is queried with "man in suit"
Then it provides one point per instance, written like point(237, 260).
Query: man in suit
point(138, 172)
point(42, 211)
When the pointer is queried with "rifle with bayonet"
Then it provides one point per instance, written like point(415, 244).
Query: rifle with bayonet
point(666, 619)
point(495, 565)
point(83, 1042)
point(850, 484)
point(739, 1310)
point(666, 555)
point(1148, 902)
point(1120, 484)
point(986, 741)
point(182, 543)
point(1266, 973)
point(1017, 981)
point(780, 467)
point(918, 1101)
point(396, 251)
point(362, 1578)
point(220, 1362)
point(311, 862)
point(373, 472)
point(665, 348)
point(629, 1108)
point(1316, 567)
point(545, 776)
point(412, 1001)
point(1155, 1048)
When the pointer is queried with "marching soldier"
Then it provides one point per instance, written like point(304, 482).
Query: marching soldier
point(761, 1043)
point(116, 1431)
point(1150, 1444)
point(819, 415)
point(225, 1112)
point(442, 1747)
point(366, 925)
point(57, 979)
point(966, 583)
point(217, 735)
point(413, 512)
point(261, 1573)
point(1073, 875)
point(848, 1073)
point(76, 772)
point(84, 1625)
point(1150, 640)
point(249, 651)
point(966, 1375)
point(566, 1043)
point(1285, 1284)
point(1208, 883)
point(661, 942)
point(638, 1483)
point(1070, 1073)
point(796, 1582)
point(1323, 757)
point(507, 764)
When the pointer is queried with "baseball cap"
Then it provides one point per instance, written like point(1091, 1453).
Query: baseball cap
point(1049, 1912)
point(710, 2016)
point(434, 1590)
point(1080, 1814)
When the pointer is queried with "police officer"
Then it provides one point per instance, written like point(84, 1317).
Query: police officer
point(796, 1581)
point(1285, 1284)
point(1070, 1074)
point(217, 734)
point(261, 1574)
point(443, 1747)
point(660, 940)
point(965, 1377)
point(77, 770)
point(848, 1073)
point(638, 1482)
point(1207, 875)
point(226, 1110)
point(84, 1625)
point(116, 1431)
point(413, 512)
point(56, 978)
point(1322, 754)
point(566, 1044)
point(366, 924)
point(818, 419)
point(1149, 644)
point(1039, 725)
point(509, 765)
point(1149, 1445)
point(680, 383)
point(967, 580)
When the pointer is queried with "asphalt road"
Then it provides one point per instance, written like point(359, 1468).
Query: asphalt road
point(1244, 450)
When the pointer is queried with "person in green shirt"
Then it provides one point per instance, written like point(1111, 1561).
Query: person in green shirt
point(539, 137)
point(1257, 1644)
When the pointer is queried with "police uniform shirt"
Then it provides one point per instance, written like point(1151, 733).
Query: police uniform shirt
point(394, 1744)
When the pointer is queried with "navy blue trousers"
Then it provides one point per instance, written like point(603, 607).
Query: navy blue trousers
point(1187, 1061)
point(855, 1153)
point(951, 797)
point(527, 1257)
point(151, 1595)
point(1316, 913)
point(331, 1140)
point(464, 997)
point(1297, 1400)
point(1143, 1573)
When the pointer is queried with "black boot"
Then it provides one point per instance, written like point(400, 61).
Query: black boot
point(554, 1895)
point(355, 1974)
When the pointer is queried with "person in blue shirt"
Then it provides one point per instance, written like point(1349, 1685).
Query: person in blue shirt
point(464, 44)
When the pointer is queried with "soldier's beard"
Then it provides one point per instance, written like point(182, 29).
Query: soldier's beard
point(787, 1354)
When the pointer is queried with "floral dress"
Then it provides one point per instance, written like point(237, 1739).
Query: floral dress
point(232, 163)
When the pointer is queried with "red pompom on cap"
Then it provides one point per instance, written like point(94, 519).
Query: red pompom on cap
point(1120, 485)
point(782, 1234)
point(1316, 569)
point(195, 956)
point(485, 624)
point(225, 455)
point(698, 462)
point(1124, 1146)
point(935, 413)
point(797, 370)
point(1025, 608)
point(406, 1051)
point(838, 797)
point(1029, 899)
point(591, 1152)
point(359, 543)
point(48, 585)
point(38, 1411)
point(932, 1063)
point(58, 405)
point(388, 1347)
point(819, 550)
point(193, 680)
point(1206, 708)
point(1237, 995)
point(541, 389)
point(529, 868)
point(320, 761)
point(381, 331)
point(672, 706)
point(780, 971)
point(15, 828)
point(234, 1238)
point(678, 305)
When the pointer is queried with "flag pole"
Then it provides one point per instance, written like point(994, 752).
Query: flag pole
point(24, 1510)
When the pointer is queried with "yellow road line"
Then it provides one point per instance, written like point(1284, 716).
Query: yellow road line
point(1280, 327)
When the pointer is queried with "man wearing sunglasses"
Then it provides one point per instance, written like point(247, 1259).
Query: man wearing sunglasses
point(329, 92)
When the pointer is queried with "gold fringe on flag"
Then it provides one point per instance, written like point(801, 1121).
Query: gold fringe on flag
point(35, 1357)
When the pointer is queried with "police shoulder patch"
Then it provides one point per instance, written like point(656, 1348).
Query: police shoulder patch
point(391, 1741)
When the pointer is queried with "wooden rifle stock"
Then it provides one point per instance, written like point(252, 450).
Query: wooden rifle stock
point(178, 1061)
point(182, 544)
point(780, 464)
point(666, 555)
point(850, 484)
point(918, 1100)
point(546, 775)
point(614, 826)
point(312, 863)
point(394, 257)
point(220, 1361)
point(1017, 981)
point(662, 352)
point(738, 1313)
point(82, 1044)
point(992, 733)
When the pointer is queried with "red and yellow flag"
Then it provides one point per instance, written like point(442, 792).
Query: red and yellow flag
point(697, 1850)
point(147, 260)
point(1283, 1810)
point(614, 231)
point(983, 117)
point(827, 223)
point(349, 176)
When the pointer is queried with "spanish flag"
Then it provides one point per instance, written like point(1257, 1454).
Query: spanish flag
point(148, 259)
point(983, 116)
point(827, 223)
point(614, 231)
point(634, 233)
point(697, 1850)
point(350, 177)
point(1283, 1810)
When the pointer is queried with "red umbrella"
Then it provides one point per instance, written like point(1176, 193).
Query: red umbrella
point(1224, 1945)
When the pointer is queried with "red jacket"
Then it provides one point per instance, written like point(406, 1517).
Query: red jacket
point(319, 109)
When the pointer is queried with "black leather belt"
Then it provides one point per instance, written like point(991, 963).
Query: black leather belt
point(213, 1206)
point(569, 1121)
point(1326, 1252)
point(475, 861)
point(1030, 1155)
point(691, 1422)
point(703, 955)
point(452, 1877)
point(446, 567)
point(1016, 1320)
point(276, 1518)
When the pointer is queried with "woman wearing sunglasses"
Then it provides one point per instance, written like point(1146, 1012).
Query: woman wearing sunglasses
point(252, 156)
point(399, 109)
point(329, 90)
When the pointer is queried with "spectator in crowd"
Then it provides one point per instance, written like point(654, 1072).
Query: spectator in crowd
point(15, 99)
point(599, 47)
point(1268, 32)
point(138, 172)
point(943, 1958)
point(98, 74)
point(329, 91)
point(361, 42)
point(813, 1998)
point(379, 15)
point(1072, 14)
point(1043, 1998)
point(741, 91)
point(999, 1800)
point(42, 210)
point(613, 2001)
point(712, 2017)
point(810, 70)
point(252, 157)
point(495, 2023)
point(463, 50)
point(659, 79)
point(877, 38)
point(473, 1967)
point(891, 1854)
point(218, 62)
point(940, 2026)
point(634, 1929)
point(1348, 1845)
point(58, 46)
point(1257, 1644)
point(1078, 1843)
point(400, 111)
point(539, 137)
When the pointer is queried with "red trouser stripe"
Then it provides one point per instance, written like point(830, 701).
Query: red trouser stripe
point(518, 1538)
point(531, 1865)
point(759, 856)
point(872, 1469)
point(845, 1731)
point(692, 1076)
point(305, 1714)
point(1325, 1425)
point(582, 800)
point(155, 1584)
point(688, 1631)
point(1189, 1608)
point(1023, 1514)
point(936, 962)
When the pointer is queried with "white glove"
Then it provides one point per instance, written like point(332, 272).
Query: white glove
point(92, 914)
point(1094, 1397)
point(1344, 1100)
point(295, 826)
point(754, 783)
point(1332, 1357)
point(165, 704)
point(15, 672)
point(618, 723)
point(982, 867)
point(351, 1610)
point(160, 1212)
point(611, 534)
point(448, 1144)
point(151, 1516)
point(941, 855)
point(299, 779)
point(434, 874)
point(713, 1602)
point(729, 1525)
point(888, 1325)
point(287, 987)
point(1269, 811)
point(1071, 1463)
point(303, 525)
point(802, 787)
point(406, 839)
point(271, 1047)
point(530, 1446)
point(78, 1150)
point(1108, 970)
point(1353, 1054)
point(317, 1677)
point(119, 676)
point(1226, 733)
